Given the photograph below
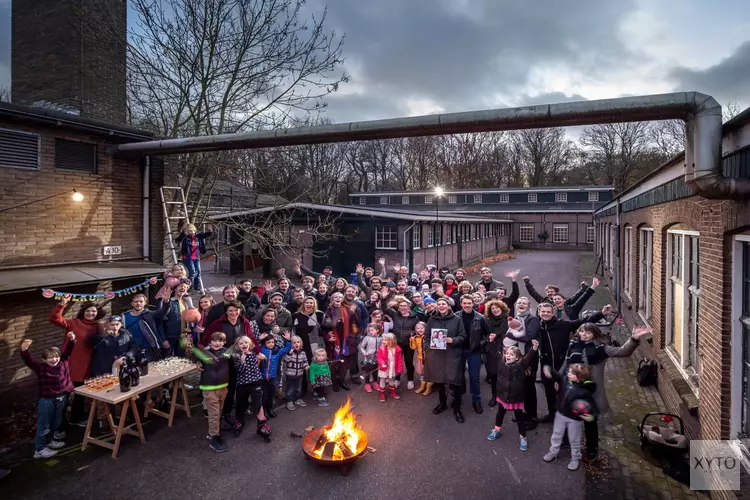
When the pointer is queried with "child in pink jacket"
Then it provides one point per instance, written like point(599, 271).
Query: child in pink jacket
point(390, 364)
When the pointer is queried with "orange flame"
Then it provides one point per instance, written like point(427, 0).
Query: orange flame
point(344, 431)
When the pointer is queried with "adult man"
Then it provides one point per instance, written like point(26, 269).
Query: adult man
point(402, 288)
point(477, 331)
point(572, 305)
point(248, 298)
point(554, 337)
point(299, 268)
point(173, 324)
point(531, 326)
point(297, 297)
point(460, 275)
point(445, 367)
point(490, 284)
point(308, 286)
point(229, 293)
point(142, 324)
point(283, 316)
point(370, 272)
point(285, 287)
point(376, 282)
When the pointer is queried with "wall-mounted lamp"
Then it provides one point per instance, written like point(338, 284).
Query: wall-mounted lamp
point(77, 197)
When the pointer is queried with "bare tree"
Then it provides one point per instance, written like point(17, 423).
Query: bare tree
point(619, 150)
point(730, 110)
point(4, 94)
point(543, 154)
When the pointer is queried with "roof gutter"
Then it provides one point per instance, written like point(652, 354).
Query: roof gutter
point(701, 113)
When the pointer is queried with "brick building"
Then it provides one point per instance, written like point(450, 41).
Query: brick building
point(681, 264)
point(563, 213)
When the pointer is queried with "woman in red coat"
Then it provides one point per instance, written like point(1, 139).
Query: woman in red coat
point(86, 324)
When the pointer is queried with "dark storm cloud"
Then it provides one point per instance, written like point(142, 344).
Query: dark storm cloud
point(550, 98)
point(729, 80)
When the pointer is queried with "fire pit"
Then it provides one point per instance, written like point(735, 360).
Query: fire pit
point(339, 444)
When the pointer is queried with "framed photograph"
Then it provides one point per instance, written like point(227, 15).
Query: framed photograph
point(437, 338)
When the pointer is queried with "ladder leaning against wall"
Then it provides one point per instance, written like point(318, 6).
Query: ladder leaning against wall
point(180, 214)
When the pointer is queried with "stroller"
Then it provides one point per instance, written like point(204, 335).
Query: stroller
point(667, 445)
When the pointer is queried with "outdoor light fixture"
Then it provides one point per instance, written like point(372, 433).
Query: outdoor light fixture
point(438, 194)
point(77, 197)
point(439, 191)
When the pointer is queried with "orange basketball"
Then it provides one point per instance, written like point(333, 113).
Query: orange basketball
point(191, 316)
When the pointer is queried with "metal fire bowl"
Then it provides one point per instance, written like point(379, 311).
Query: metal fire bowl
point(311, 438)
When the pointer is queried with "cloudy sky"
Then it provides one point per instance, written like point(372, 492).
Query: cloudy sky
point(410, 57)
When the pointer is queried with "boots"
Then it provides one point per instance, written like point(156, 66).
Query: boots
point(422, 387)
point(427, 389)
point(382, 395)
point(264, 430)
point(394, 394)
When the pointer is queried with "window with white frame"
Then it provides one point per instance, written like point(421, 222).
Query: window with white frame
point(405, 199)
point(559, 233)
point(561, 197)
point(428, 199)
point(613, 263)
point(362, 200)
point(504, 198)
point(645, 272)
point(447, 233)
point(385, 200)
point(386, 238)
point(477, 198)
point(452, 199)
point(628, 264)
point(466, 232)
point(430, 237)
point(683, 292)
point(593, 195)
point(438, 235)
point(526, 233)
point(740, 421)
point(416, 237)
point(532, 198)
point(590, 234)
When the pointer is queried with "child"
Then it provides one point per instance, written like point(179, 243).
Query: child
point(249, 393)
point(296, 368)
point(214, 365)
point(54, 387)
point(269, 368)
point(578, 387)
point(390, 364)
point(511, 390)
point(369, 349)
point(416, 341)
point(320, 376)
point(172, 277)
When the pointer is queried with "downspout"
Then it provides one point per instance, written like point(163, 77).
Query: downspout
point(147, 208)
point(618, 270)
point(406, 231)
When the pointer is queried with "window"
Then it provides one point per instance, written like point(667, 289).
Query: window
point(386, 238)
point(477, 198)
point(593, 195)
point(73, 155)
point(562, 197)
point(613, 243)
point(438, 235)
point(447, 233)
point(532, 198)
point(628, 256)
point(416, 237)
point(385, 200)
point(559, 233)
point(428, 199)
point(504, 198)
point(19, 149)
point(430, 237)
point(466, 232)
point(526, 233)
point(362, 200)
point(683, 292)
point(590, 233)
point(645, 272)
point(452, 199)
point(405, 200)
point(740, 422)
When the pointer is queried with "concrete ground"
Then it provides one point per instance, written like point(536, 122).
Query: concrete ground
point(418, 455)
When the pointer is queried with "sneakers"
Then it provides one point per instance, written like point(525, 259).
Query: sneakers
point(81, 423)
point(56, 445)
point(217, 444)
point(300, 403)
point(410, 385)
point(494, 434)
point(59, 435)
point(574, 464)
point(524, 444)
point(322, 402)
point(382, 395)
point(368, 388)
point(398, 383)
point(549, 457)
point(44, 453)
point(290, 406)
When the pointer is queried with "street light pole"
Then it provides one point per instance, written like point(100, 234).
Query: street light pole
point(437, 242)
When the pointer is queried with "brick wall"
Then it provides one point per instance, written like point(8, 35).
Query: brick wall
point(59, 230)
point(716, 221)
point(577, 224)
point(70, 53)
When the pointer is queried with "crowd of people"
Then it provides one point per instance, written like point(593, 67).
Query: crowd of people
point(389, 331)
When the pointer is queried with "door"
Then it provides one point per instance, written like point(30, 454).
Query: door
point(354, 244)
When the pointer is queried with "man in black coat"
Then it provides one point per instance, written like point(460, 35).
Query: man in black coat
point(217, 310)
point(478, 331)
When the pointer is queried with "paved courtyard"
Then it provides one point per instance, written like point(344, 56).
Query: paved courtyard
point(418, 455)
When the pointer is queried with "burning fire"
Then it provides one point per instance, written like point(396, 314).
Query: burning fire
point(340, 440)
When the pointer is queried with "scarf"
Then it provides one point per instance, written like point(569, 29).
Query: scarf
point(342, 313)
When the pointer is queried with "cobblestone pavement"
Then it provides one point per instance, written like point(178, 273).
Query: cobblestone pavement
point(624, 471)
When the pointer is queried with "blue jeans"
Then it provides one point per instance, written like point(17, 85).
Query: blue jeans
point(194, 272)
point(293, 389)
point(49, 416)
point(475, 365)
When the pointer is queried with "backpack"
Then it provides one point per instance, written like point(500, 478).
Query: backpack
point(647, 372)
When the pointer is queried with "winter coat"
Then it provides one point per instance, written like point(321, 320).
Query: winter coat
point(306, 271)
point(319, 374)
point(283, 317)
point(398, 359)
point(184, 241)
point(80, 358)
point(172, 325)
point(249, 329)
point(445, 366)
point(250, 301)
point(108, 348)
point(511, 378)
point(269, 367)
point(510, 300)
point(499, 326)
point(478, 331)
point(215, 374)
point(248, 372)
point(416, 343)
point(597, 369)
point(150, 324)
point(554, 337)
point(491, 285)
point(403, 326)
point(308, 328)
point(531, 325)
point(296, 362)
point(322, 299)
point(569, 392)
point(369, 346)
point(573, 305)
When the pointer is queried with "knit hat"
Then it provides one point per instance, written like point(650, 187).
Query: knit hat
point(449, 276)
point(428, 300)
point(115, 317)
point(274, 294)
point(414, 276)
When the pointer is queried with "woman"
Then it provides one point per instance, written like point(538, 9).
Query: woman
point(85, 325)
point(192, 246)
point(341, 341)
point(321, 295)
point(404, 321)
point(496, 312)
point(339, 286)
point(205, 303)
point(306, 324)
point(445, 367)
point(374, 302)
point(464, 288)
point(174, 326)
